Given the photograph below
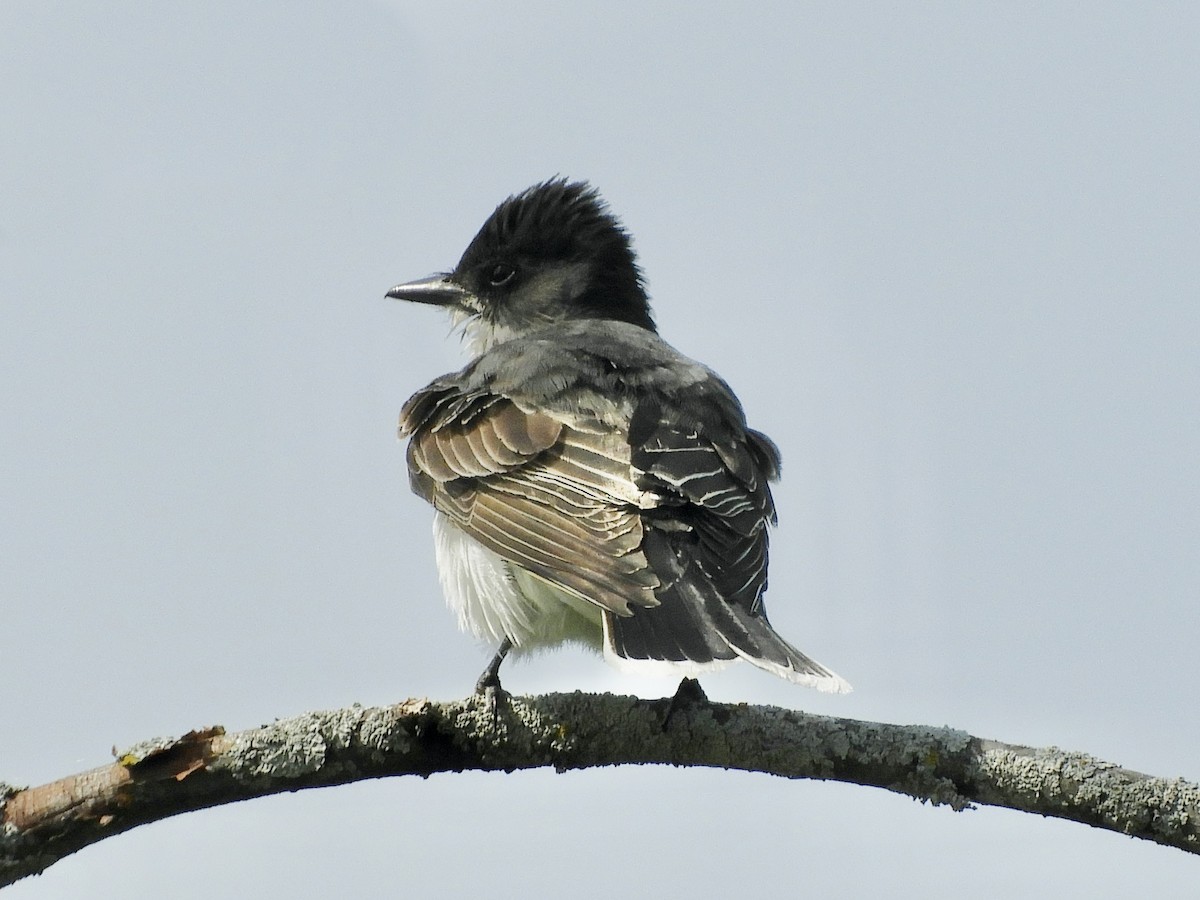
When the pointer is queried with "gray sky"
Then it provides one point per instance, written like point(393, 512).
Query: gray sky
point(946, 254)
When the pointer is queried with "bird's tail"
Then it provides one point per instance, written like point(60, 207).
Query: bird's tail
point(693, 630)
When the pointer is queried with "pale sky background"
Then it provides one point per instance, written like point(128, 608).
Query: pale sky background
point(946, 253)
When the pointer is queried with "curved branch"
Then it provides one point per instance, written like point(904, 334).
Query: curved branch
point(205, 768)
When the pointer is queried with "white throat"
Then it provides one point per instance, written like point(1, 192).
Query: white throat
point(479, 334)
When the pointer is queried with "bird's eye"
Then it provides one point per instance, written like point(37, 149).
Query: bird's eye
point(501, 273)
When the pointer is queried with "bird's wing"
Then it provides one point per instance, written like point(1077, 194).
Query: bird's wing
point(554, 499)
point(707, 540)
point(657, 513)
point(715, 484)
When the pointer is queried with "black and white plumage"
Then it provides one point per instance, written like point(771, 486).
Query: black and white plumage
point(591, 483)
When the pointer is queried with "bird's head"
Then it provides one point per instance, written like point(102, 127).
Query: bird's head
point(551, 253)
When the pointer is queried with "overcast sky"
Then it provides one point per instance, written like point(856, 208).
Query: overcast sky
point(945, 253)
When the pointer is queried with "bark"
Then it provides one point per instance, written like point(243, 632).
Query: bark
point(207, 767)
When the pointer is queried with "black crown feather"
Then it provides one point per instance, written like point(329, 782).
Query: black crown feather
point(568, 221)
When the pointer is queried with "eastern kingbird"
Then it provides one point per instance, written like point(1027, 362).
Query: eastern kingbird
point(592, 484)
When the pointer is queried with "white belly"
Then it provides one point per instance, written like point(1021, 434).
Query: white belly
point(493, 599)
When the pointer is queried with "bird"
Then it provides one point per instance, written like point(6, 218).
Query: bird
point(591, 484)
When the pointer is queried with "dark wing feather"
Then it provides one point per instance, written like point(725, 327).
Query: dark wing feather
point(557, 501)
point(721, 500)
point(707, 543)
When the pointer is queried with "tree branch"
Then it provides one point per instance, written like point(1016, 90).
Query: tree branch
point(158, 779)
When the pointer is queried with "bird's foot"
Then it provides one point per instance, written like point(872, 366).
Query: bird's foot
point(488, 687)
point(488, 684)
point(495, 699)
point(688, 694)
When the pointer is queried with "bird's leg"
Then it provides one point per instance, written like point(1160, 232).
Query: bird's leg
point(490, 679)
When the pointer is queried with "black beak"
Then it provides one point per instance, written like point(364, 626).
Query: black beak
point(437, 290)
